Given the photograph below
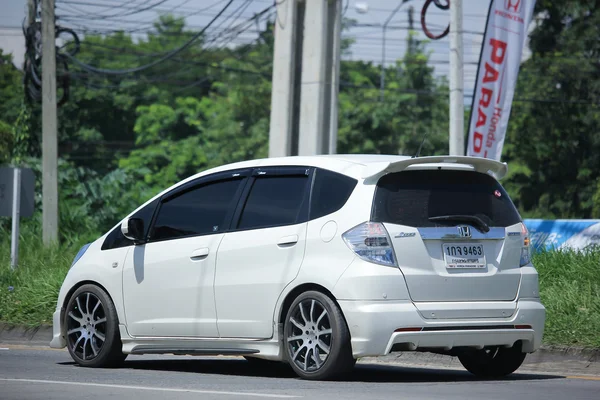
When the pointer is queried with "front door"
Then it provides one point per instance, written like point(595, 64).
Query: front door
point(168, 282)
point(263, 252)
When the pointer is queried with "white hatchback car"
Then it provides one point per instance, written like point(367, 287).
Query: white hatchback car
point(316, 261)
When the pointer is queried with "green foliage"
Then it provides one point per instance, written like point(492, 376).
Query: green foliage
point(414, 105)
point(596, 201)
point(553, 139)
point(6, 142)
point(570, 291)
point(28, 295)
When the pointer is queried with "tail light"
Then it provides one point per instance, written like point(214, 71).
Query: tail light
point(526, 249)
point(371, 242)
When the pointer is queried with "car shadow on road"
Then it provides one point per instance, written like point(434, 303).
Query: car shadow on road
point(361, 373)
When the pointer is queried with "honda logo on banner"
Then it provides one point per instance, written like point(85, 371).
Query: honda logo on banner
point(504, 38)
point(513, 5)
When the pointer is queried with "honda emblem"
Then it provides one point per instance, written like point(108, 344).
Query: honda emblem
point(513, 5)
point(464, 231)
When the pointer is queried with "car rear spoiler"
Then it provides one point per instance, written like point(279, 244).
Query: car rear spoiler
point(495, 168)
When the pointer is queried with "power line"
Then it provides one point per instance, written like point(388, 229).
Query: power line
point(156, 62)
point(144, 26)
point(120, 14)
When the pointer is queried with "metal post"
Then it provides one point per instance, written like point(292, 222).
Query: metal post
point(16, 215)
point(457, 134)
point(335, 76)
point(49, 127)
point(382, 78)
point(385, 25)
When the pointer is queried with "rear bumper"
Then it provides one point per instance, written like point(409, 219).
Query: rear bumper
point(373, 326)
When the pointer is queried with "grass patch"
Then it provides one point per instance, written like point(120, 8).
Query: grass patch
point(28, 295)
point(569, 285)
point(570, 291)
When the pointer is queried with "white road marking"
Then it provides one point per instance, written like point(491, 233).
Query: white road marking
point(249, 394)
point(3, 348)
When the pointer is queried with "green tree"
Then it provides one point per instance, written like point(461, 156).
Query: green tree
point(415, 106)
point(11, 98)
point(553, 145)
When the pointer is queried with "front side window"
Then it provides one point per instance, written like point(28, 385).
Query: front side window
point(275, 201)
point(199, 211)
point(115, 238)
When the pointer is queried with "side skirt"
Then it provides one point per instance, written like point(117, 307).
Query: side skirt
point(268, 349)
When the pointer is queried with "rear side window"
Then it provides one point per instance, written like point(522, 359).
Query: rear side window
point(115, 238)
point(275, 201)
point(410, 198)
point(330, 192)
point(200, 211)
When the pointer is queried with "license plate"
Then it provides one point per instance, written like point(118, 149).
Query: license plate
point(464, 256)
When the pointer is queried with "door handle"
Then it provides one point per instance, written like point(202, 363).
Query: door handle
point(199, 254)
point(288, 241)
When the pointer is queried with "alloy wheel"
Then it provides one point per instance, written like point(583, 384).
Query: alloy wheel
point(86, 326)
point(310, 337)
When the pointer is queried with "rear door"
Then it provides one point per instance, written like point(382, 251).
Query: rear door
point(263, 252)
point(455, 234)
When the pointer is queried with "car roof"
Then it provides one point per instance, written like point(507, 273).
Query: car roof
point(341, 163)
point(348, 164)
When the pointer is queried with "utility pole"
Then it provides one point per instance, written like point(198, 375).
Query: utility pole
point(49, 126)
point(306, 68)
point(320, 56)
point(335, 20)
point(457, 132)
point(283, 96)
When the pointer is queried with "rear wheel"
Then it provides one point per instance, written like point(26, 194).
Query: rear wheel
point(93, 328)
point(494, 362)
point(317, 339)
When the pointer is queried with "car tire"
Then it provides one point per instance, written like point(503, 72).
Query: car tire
point(316, 338)
point(493, 363)
point(92, 328)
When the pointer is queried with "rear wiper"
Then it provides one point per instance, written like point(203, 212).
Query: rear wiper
point(476, 221)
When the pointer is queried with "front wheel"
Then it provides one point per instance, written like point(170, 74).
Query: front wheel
point(317, 339)
point(495, 362)
point(93, 328)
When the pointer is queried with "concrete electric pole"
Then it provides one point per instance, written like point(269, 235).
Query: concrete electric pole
point(49, 126)
point(318, 102)
point(283, 95)
point(457, 115)
point(305, 78)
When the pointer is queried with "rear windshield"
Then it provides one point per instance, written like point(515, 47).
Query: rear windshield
point(411, 198)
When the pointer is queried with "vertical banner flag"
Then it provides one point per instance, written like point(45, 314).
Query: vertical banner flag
point(504, 38)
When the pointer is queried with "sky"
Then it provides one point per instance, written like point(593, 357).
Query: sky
point(80, 14)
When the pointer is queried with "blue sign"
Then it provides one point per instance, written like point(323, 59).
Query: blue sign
point(576, 234)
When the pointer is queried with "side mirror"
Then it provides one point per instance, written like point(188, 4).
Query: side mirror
point(133, 229)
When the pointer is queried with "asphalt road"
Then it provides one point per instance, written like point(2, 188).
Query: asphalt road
point(31, 374)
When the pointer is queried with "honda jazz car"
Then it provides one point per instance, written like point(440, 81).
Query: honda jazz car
point(314, 261)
